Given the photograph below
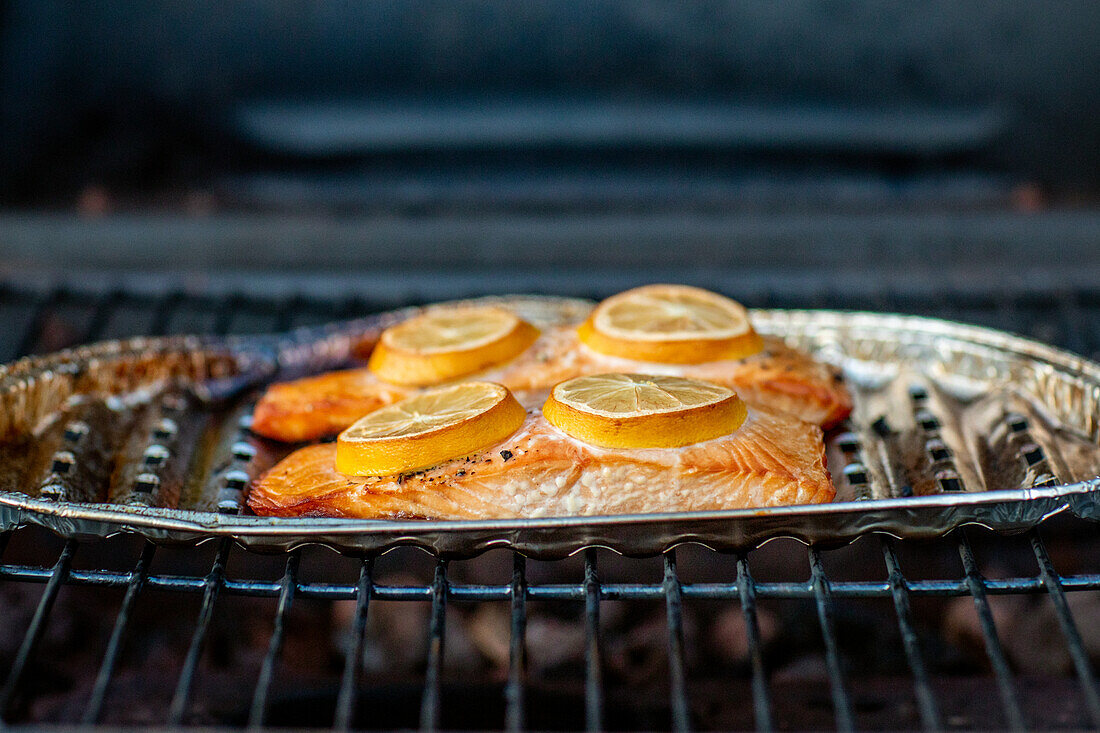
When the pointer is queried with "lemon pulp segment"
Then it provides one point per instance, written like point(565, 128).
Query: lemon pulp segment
point(643, 411)
point(429, 428)
point(442, 344)
point(672, 324)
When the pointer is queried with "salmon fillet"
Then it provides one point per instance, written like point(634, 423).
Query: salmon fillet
point(778, 378)
point(772, 459)
point(313, 407)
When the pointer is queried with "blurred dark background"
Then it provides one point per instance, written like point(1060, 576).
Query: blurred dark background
point(841, 139)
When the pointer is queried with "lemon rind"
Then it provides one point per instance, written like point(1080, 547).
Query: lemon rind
point(419, 451)
point(671, 351)
point(657, 429)
point(419, 369)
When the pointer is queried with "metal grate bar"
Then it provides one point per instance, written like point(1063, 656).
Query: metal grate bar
point(514, 712)
point(1070, 319)
point(842, 704)
point(101, 315)
point(352, 307)
point(224, 313)
point(469, 593)
point(345, 700)
point(37, 626)
point(162, 312)
point(31, 336)
point(761, 699)
point(430, 704)
point(1005, 310)
point(1081, 664)
point(593, 678)
point(114, 645)
point(1014, 717)
point(213, 584)
point(681, 712)
point(258, 709)
point(286, 312)
point(926, 700)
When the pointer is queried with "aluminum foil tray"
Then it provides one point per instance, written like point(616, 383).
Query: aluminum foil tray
point(953, 425)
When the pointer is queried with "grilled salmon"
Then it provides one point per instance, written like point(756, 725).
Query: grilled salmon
point(313, 407)
point(772, 459)
point(778, 378)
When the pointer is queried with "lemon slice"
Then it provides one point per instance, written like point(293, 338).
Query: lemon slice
point(673, 324)
point(445, 343)
point(428, 428)
point(643, 411)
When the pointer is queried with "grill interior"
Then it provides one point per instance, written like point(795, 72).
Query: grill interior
point(974, 630)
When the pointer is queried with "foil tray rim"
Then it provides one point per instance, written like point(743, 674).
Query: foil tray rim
point(188, 520)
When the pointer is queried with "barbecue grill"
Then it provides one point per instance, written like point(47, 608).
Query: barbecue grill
point(126, 631)
point(239, 169)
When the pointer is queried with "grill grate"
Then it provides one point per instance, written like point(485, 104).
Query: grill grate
point(56, 318)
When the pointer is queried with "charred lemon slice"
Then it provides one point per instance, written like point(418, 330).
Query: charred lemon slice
point(643, 411)
point(428, 428)
point(673, 324)
point(446, 343)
